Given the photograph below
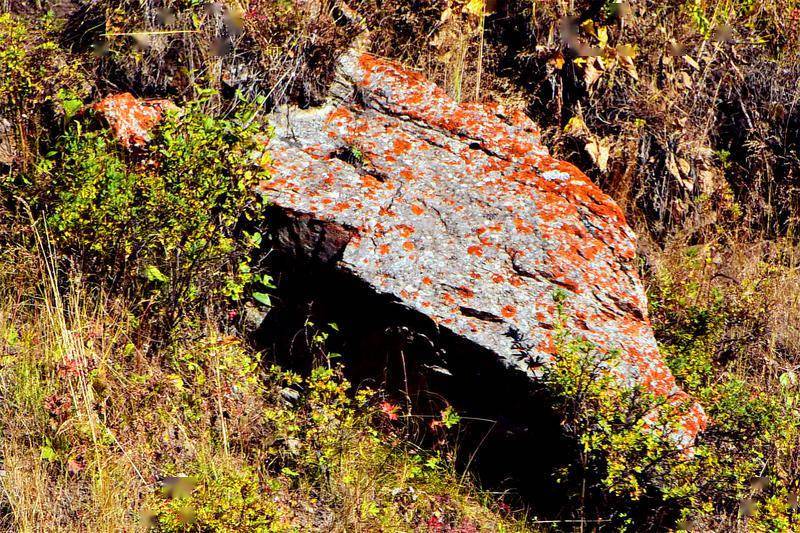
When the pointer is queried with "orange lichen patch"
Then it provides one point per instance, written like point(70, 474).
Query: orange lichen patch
point(401, 146)
point(486, 241)
point(340, 114)
point(383, 249)
point(408, 246)
point(369, 181)
point(427, 281)
point(521, 226)
point(508, 311)
point(493, 165)
point(497, 278)
point(547, 345)
point(417, 210)
point(405, 230)
point(475, 250)
point(590, 251)
point(465, 292)
point(407, 174)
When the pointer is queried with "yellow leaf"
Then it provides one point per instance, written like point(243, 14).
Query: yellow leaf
point(475, 7)
point(602, 36)
point(575, 125)
point(694, 64)
point(557, 60)
point(599, 151)
point(626, 50)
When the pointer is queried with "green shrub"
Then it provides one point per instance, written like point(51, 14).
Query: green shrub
point(166, 227)
point(710, 335)
point(223, 497)
point(624, 436)
point(36, 76)
point(627, 454)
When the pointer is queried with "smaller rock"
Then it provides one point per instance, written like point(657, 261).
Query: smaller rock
point(253, 316)
point(131, 119)
point(291, 396)
point(8, 146)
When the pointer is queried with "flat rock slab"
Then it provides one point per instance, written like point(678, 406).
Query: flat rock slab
point(459, 212)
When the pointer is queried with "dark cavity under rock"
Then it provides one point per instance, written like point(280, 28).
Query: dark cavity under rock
point(389, 347)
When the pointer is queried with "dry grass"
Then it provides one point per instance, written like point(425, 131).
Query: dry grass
point(93, 429)
point(729, 307)
point(684, 110)
point(694, 131)
point(758, 284)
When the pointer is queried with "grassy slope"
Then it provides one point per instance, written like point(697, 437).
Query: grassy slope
point(97, 420)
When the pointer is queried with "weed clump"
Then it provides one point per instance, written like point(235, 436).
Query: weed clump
point(166, 226)
point(199, 434)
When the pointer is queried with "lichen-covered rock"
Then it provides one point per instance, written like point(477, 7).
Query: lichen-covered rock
point(132, 119)
point(459, 211)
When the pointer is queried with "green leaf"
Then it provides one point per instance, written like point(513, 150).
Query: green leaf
point(788, 379)
point(450, 418)
point(267, 281)
point(71, 107)
point(48, 454)
point(255, 239)
point(12, 337)
point(289, 472)
point(475, 7)
point(262, 298)
point(152, 273)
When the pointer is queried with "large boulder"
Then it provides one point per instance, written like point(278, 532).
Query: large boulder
point(459, 212)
